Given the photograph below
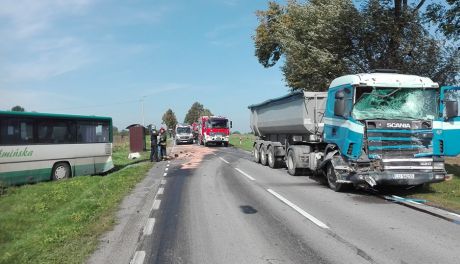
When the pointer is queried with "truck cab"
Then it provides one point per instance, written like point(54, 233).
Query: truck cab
point(389, 129)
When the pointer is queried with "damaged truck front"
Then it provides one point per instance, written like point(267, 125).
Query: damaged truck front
point(368, 129)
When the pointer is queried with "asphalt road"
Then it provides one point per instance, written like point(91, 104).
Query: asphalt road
point(214, 205)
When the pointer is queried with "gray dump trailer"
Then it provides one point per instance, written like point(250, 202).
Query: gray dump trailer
point(285, 124)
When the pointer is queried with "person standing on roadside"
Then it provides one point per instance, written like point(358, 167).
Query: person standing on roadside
point(163, 143)
point(154, 145)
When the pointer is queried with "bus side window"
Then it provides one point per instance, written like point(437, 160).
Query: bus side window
point(86, 132)
point(7, 133)
point(26, 129)
point(56, 132)
point(16, 132)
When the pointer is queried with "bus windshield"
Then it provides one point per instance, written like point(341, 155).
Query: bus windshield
point(396, 103)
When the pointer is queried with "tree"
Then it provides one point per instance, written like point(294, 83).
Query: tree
point(323, 39)
point(446, 18)
point(169, 118)
point(194, 113)
point(18, 108)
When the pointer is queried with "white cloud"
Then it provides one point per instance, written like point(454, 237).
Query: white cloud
point(26, 18)
point(33, 46)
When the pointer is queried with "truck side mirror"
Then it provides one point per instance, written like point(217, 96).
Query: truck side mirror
point(231, 124)
point(339, 104)
point(451, 108)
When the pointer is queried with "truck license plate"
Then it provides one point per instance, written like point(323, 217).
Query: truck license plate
point(403, 176)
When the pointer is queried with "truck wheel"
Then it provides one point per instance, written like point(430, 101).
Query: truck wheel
point(272, 162)
point(263, 156)
point(292, 167)
point(256, 154)
point(225, 144)
point(60, 171)
point(332, 180)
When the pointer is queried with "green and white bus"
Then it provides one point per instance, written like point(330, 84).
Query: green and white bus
point(38, 147)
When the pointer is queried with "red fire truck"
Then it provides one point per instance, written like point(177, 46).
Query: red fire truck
point(213, 130)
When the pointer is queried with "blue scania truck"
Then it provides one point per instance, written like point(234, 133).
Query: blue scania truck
point(369, 130)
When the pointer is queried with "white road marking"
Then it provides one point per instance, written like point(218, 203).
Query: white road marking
point(148, 228)
point(454, 214)
point(166, 169)
point(167, 165)
point(169, 161)
point(156, 204)
point(222, 159)
point(163, 182)
point(164, 174)
point(245, 174)
point(161, 190)
point(299, 210)
point(138, 257)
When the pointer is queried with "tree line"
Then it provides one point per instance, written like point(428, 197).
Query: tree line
point(196, 110)
point(320, 40)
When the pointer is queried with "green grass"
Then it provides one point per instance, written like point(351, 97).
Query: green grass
point(445, 194)
point(247, 141)
point(60, 222)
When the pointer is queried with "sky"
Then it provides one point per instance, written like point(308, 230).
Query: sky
point(101, 57)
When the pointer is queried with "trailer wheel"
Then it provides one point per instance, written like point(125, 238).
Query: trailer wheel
point(272, 162)
point(256, 154)
point(292, 167)
point(263, 156)
point(60, 171)
point(332, 180)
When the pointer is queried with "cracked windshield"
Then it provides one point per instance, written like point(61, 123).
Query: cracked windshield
point(399, 103)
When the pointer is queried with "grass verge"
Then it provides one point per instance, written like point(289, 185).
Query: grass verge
point(243, 141)
point(445, 194)
point(60, 222)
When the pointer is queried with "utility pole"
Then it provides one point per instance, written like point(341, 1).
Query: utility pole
point(143, 116)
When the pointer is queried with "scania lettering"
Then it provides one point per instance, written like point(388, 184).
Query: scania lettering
point(367, 130)
point(38, 147)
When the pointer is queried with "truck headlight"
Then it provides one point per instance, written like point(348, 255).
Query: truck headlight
point(438, 165)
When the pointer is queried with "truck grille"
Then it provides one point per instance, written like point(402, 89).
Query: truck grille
point(391, 143)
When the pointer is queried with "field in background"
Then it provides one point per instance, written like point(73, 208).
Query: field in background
point(242, 141)
point(59, 222)
point(445, 194)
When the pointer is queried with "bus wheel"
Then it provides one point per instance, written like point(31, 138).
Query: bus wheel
point(60, 171)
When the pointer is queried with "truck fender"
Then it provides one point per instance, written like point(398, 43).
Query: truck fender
point(327, 159)
point(278, 149)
